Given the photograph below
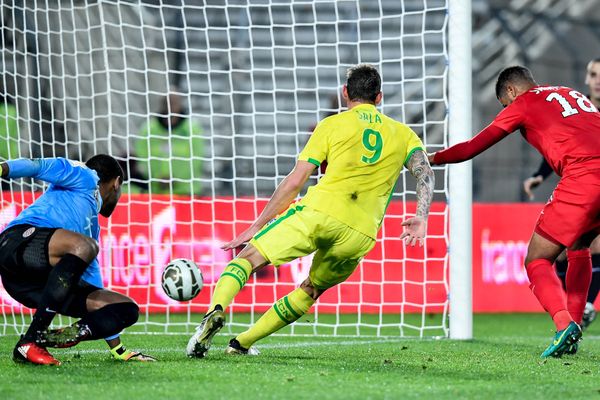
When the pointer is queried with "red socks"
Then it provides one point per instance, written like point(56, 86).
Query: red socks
point(578, 279)
point(547, 288)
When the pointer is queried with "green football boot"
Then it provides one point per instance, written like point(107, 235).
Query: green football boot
point(563, 340)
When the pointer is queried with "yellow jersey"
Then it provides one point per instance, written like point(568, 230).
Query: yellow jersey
point(365, 152)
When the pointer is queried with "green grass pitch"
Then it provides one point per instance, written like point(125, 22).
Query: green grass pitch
point(501, 362)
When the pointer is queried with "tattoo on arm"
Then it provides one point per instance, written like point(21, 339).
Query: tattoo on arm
point(419, 167)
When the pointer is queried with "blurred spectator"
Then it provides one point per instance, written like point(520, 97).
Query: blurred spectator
point(169, 150)
point(9, 129)
point(9, 132)
point(592, 79)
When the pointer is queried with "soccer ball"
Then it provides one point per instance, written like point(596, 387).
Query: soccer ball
point(182, 279)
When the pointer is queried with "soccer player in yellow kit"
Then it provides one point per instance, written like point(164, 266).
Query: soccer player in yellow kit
point(339, 217)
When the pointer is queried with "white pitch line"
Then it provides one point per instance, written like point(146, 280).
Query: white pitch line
point(317, 343)
point(264, 346)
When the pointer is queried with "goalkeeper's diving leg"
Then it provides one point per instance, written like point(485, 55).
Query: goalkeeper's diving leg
point(107, 314)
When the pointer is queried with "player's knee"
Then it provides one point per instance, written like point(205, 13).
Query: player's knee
point(532, 257)
point(253, 256)
point(534, 254)
point(93, 248)
point(310, 289)
point(129, 313)
point(102, 298)
point(85, 248)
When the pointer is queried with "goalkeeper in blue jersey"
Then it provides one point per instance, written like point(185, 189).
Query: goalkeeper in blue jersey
point(48, 257)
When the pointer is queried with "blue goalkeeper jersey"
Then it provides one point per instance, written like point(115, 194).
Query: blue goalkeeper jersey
point(72, 201)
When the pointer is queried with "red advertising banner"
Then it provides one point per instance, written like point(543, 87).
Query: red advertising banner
point(500, 236)
point(146, 232)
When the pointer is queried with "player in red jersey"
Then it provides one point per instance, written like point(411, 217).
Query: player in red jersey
point(592, 80)
point(564, 126)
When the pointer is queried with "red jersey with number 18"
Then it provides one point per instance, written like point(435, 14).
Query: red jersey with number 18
point(560, 123)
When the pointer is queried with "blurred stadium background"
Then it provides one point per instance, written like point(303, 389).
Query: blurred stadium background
point(185, 46)
point(255, 76)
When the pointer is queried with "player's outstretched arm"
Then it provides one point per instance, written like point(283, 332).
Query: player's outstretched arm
point(466, 150)
point(52, 170)
point(416, 227)
point(285, 193)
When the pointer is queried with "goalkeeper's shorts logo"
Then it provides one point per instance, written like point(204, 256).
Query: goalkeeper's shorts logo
point(28, 232)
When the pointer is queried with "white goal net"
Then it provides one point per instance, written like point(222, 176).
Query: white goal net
point(207, 104)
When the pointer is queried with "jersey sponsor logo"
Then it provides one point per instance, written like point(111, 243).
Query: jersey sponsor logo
point(541, 89)
point(77, 163)
point(28, 232)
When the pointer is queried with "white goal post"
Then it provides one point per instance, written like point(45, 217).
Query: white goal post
point(207, 105)
point(460, 178)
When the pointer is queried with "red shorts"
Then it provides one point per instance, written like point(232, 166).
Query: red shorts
point(573, 209)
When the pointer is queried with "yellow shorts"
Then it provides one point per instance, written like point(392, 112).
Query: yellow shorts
point(300, 231)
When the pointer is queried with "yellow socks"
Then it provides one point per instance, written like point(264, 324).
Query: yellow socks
point(285, 311)
point(232, 280)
